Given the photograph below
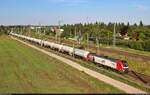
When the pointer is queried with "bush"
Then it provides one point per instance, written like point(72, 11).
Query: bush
point(138, 45)
point(122, 43)
point(147, 45)
point(81, 47)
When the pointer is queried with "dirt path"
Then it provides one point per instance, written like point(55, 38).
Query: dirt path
point(122, 86)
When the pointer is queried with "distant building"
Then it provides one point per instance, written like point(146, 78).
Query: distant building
point(38, 27)
point(76, 38)
point(126, 37)
point(59, 31)
point(53, 30)
point(32, 27)
point(118, 34)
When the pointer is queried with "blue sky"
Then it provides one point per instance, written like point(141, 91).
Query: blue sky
point(48, 12)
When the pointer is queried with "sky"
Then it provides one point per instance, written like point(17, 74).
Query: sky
point(50, 12)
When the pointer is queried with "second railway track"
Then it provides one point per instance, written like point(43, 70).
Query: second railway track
point(123, 53)
point(142, 77)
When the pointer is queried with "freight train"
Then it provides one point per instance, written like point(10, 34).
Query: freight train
point(120, 66)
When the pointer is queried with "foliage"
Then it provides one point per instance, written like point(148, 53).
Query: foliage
point(80, 47)
point(134, 35)
point(3, 30)
point(141, 24)
point(91, 31)
point(138, 45)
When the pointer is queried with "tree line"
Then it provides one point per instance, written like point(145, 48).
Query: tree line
point(139, 34)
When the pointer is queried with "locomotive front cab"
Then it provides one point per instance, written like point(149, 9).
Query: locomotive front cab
point(122, 66)
point(91, 57)
point(125, 66)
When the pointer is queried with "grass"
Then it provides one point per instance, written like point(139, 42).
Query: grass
point(134, 64)
point(125, 49)
point(128, 50)
point(104, 46)
point(137, 65)
point(86, 64)
point(25, 70)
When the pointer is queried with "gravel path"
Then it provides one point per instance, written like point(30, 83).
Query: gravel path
point(122, 86)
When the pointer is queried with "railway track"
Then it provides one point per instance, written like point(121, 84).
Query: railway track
point(123, 53)
point(115, 83)
point(142, 77)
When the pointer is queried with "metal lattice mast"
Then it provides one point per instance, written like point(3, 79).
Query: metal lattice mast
point(114, 41)
point(59, 22)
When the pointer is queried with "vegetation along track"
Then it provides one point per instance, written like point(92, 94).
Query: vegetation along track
point(142, 77)
point(123, 53)
point(115, 83)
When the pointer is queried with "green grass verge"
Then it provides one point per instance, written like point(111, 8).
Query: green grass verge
point(25, 70)
point(114, 48)
point(85, 64)
point(102, 45)
point(135, 64)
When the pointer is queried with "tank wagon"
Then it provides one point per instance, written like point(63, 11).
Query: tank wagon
point(116, 64)
point(67, 50)
point(82, 54)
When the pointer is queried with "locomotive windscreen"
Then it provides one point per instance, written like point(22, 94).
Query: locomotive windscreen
point(124, 63)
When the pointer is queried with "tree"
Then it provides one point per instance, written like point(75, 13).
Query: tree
point(110, 26)
point(135, 25)
point(47, 31)
point(124, 30)
point(141, 36)
point(141, 24)
point(134, 34)
point(128, 24)
point(3, 29)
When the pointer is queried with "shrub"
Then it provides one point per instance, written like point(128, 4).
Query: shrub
point(147, 45)
point(80, 47)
